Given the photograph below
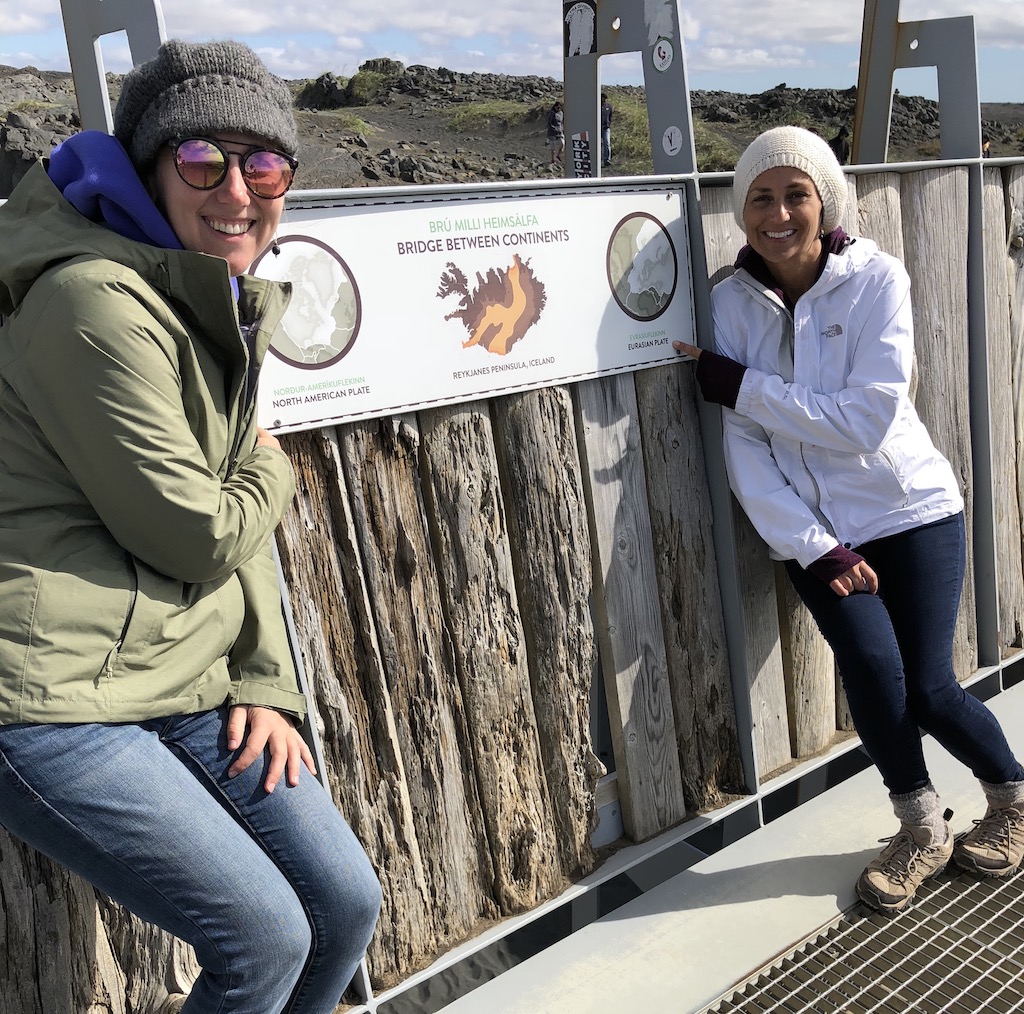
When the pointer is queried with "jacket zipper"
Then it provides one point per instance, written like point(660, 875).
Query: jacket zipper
point(246, 401)
point(108, 665)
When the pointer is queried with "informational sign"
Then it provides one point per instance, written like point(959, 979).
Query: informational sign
point(402, 306)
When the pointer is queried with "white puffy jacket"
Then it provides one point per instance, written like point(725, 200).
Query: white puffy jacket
point(824, 445)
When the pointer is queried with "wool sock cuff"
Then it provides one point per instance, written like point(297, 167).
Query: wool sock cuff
point(1003, 794)
point(921, 809)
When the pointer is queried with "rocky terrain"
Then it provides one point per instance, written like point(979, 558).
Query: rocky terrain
point(391, 124)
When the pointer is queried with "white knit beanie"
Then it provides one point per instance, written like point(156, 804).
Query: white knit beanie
point(799, 148)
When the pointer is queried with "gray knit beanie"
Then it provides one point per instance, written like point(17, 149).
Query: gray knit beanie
point(799, 148)
point(191, 89)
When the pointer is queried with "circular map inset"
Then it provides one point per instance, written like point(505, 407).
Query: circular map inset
point(642, 266)
point(322, 320)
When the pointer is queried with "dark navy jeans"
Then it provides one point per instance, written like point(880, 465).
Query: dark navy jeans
point(894, 652)
point(273, 891)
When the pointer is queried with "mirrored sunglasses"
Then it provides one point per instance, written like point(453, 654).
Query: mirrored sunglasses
point(203, 163)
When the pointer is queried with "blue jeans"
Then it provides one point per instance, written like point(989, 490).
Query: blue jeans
point(274, 892)
point(895, 656)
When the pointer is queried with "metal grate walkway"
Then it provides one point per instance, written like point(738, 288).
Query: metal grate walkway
point(958, 949)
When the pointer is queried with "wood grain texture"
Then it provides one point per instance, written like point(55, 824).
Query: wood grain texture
point(337, 631)
point(467, 516)
point(809, 668)
point(935, 246)
point(766, 676)
point(56, 955)
point(999, 268)
point(879, 217)
point(381, 463)
point(549, 539)
point(628, 609)
point(1013, 184)
point(687, 572)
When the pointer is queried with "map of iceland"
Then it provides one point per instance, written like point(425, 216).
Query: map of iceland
point(502, 307)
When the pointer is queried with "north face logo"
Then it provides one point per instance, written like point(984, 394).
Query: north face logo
point(834, 331)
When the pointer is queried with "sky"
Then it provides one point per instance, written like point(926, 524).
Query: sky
point(742, 46)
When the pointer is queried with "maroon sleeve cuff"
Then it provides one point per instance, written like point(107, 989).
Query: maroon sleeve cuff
point(835, 563)
point(719, 378)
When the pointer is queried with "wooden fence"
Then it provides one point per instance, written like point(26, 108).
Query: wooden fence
point(461, 577)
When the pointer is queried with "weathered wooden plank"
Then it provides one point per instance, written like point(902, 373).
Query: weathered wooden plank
point(687, 573)
point(1009, 567)
point(478, 592)
point(149, 964)
point(1014, 195)
point(934, 205)
point(629, 613)
point(550, 543)
point(769, 708)
point(809, 667)
point(55, 955)
point(722, 240)
point(723, 236)
point(382, 473)
point(880, 218)
point(336, 630)
point(844, 720)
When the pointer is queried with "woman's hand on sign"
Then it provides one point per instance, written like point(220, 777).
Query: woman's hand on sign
point(859, 578)
point(687, 351)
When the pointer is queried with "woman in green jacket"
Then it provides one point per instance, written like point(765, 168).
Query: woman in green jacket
point(148, 702)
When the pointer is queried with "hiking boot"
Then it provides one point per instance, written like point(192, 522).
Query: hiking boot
point(890, 882)
point(994, 847)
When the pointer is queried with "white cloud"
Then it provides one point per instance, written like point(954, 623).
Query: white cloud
point(20, 22)
point(718, 59)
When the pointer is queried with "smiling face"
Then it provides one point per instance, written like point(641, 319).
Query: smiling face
point(782, 220)
point(228, 221)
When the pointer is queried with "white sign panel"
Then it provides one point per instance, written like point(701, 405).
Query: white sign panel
point(400, 306)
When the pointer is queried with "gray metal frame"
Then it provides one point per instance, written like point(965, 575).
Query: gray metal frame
point(85, 23)
point(653, 29)
point(888, 44)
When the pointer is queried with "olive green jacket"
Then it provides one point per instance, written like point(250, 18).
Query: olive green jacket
point(136, 512)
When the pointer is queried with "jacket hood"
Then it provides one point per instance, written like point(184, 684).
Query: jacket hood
point(39, 229)
point(94, 174)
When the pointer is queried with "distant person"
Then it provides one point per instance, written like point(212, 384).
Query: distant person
point(835, 469)
point(606, 131)
point(986, 146)
point(840, 145)
point(556, 132)
point(149, 710)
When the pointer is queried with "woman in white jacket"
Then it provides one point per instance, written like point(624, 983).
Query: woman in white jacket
point(826, 454)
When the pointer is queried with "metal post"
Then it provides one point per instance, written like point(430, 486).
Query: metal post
point(596, 28)
point(85, 22)
point(888, 44)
